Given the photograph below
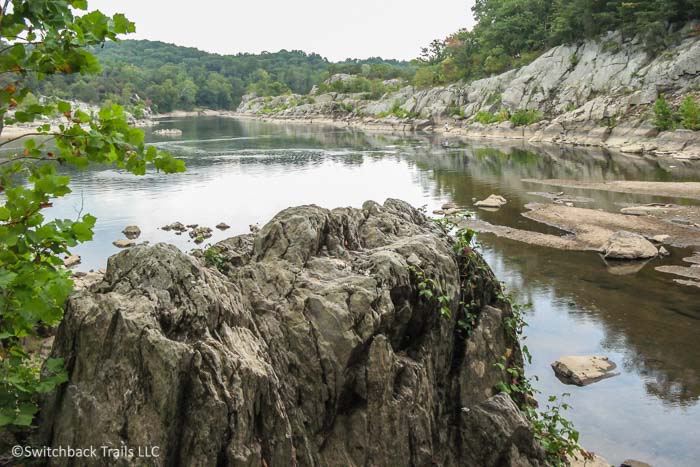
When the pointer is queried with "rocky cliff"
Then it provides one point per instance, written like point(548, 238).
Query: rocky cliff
point(305, 344)
point(594, 93)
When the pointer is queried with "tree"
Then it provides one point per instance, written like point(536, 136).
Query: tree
point(690, 114)
point(40, 38)
point(663, 115)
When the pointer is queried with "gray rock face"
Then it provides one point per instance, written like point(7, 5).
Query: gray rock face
point(628, 245)
point(309, 345)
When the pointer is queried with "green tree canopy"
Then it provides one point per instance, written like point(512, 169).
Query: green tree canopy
point(38, 39)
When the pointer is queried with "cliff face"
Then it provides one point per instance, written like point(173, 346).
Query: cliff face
point(309, 345)
point(594, 93)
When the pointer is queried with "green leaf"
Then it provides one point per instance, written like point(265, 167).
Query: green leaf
point(122, 25)
point(79, 4)
point(6, 278)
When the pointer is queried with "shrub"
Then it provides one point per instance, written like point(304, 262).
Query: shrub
point(398, 112)
point(347, 107)
point(690, 114)
point(663, 115)
point(455, 111)
point(503, 116)
point(485, 118)
point(526, 117)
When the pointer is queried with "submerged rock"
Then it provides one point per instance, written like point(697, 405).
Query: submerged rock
point(308, 344)
point(620, 267)
point(168, 132)
point(493, 201)
point(628, 245)
point(583, 370)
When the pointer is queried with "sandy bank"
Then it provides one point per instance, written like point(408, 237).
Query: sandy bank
point(689, 190)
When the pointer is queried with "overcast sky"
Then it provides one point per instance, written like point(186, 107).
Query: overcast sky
point(336, 30)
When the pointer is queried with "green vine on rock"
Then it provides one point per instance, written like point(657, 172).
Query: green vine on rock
point(555, 433)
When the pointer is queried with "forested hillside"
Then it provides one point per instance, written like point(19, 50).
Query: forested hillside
point(511, 33)
point(507, 34)
point(171, 77)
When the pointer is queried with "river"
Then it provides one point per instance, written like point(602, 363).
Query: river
point(242, 172)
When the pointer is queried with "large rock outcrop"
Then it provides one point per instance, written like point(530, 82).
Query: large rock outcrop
point(597, 92)
point(308, 344)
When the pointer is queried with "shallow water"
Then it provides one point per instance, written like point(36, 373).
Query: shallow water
point(243, 172)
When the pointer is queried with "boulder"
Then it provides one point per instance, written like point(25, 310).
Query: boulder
point(306, 343)
point(123, 243)
point(493, 201)
point(449, 205)
point(132, 232)
point(660, 238)
point(583, 370)
point(628, 245)
point(222, 226)
point(70, 261)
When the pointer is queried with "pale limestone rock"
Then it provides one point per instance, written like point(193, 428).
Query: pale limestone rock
point(493, 201)
point(124, 243)
point(583, 370)
point(628, 245)
point(72, 260)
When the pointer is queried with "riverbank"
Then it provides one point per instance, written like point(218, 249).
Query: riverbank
point(680, 145)
point(598, 93)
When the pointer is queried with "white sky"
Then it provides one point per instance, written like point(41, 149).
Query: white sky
point(334, 29)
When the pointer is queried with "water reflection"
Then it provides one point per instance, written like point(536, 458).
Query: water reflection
point(244, 171)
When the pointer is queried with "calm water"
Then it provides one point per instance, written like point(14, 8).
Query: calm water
point(243, 172)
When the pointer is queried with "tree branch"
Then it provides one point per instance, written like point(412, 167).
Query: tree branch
point(11, 140)
point(15, 159)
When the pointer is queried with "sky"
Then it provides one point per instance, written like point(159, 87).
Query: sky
point(336, 30)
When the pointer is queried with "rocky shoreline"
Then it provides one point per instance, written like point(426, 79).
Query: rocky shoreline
point(597, 93)
point(681, 145)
